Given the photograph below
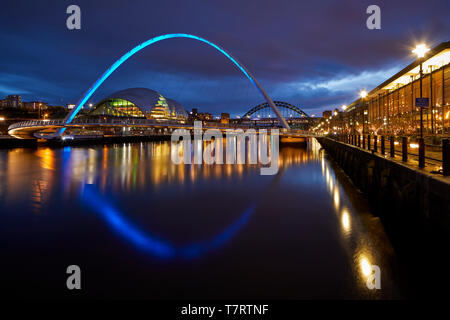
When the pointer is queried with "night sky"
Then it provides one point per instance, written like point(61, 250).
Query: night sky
point(315, 54)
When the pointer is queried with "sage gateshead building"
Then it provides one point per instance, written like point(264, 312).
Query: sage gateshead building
point(390, 108)
point(140, 103)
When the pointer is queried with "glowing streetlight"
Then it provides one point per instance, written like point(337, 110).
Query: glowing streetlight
point(420, 50)
point(363, 94)
point(344, 107)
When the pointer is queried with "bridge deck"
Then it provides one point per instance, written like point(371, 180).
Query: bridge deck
point(28, 129)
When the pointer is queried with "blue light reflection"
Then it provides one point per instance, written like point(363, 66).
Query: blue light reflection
point(150, 243)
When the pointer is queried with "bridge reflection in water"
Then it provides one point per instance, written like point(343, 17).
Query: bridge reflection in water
point(303, 233)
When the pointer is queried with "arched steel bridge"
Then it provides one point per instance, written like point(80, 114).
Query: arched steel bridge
point(151, 41)
point(280, 104)
point(23, 129)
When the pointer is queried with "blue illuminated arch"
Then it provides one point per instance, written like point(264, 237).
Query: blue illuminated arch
point(141, 46)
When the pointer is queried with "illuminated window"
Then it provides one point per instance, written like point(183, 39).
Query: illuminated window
point(117, 108)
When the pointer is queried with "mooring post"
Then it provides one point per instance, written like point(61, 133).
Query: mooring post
point(368, 142)
point(446, 157)
point(392, 146)
point(421, 153)
point(404, 149)
point(364, 141)
point(359, 141)
point(382, 145)
point(375, 143)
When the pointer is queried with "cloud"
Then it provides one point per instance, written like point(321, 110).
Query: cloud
point(30, 87)
point(363, 80)
point(314, 54)
point(320, 93)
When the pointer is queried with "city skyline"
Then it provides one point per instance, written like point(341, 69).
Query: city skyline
point(286, 60)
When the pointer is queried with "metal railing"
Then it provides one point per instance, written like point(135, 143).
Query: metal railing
point(137, 122)
point(98, 121)
point(35, 123)
point(401, 146)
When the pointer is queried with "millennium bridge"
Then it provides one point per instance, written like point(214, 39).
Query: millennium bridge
point(48, 129)
point(55, 128)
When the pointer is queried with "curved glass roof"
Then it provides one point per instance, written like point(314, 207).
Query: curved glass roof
point(179, 110)
point(151, 104)
point(143, 98)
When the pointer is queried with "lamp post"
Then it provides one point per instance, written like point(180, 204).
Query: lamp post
point(343, 120)
point(363, 95)
point(420, 51)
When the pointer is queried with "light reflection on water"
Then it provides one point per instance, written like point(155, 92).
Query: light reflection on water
point(357, 242)
point(303, 217)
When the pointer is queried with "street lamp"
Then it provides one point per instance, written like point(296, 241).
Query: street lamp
point(363, 95)
point(344, 107)
point(420, 51)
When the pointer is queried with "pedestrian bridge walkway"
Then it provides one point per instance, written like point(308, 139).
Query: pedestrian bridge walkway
point(47, 129)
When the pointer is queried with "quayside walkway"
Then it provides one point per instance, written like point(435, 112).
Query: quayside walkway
point(402, 150)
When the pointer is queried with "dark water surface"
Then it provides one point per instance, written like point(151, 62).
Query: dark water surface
point(140, 226)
